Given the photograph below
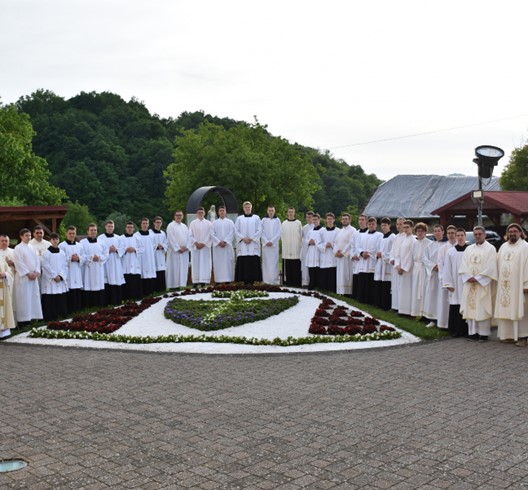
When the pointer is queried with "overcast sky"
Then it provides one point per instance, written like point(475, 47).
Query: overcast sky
point(336, 75)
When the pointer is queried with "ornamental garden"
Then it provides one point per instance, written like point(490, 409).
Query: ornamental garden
point(206, 312)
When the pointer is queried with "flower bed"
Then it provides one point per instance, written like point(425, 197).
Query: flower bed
point(330, 319)
point(107, 320)
point(331, 323)
point(217, 315)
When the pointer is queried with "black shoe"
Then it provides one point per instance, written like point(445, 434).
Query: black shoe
point(483, 338)
point(474, 337)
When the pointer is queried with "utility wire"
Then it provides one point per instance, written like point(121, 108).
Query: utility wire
point(394, 138)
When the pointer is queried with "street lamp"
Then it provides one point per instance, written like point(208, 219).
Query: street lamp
point(487, 157)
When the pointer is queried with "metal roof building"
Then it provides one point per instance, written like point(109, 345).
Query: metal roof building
point(417, 196)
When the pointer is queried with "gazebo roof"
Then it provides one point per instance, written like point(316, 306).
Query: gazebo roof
point(495, 202)
point(14, 218)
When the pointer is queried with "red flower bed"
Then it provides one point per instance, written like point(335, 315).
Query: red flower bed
point(107, 320)
point(342, 321)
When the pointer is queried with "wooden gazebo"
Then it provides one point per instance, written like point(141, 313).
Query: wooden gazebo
point(14, 218)
point(496, 203)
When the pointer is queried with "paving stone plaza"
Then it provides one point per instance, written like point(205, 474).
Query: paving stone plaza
point(446, 414)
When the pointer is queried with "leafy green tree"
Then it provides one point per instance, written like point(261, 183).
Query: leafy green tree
point(24, 177)
point(515, 175)
point(247, 160)
point(107, 153)
point(79, 216)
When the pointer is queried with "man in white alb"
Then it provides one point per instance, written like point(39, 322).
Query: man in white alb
point(200, 231)
point(271, 233)
point(342, 254)
point(27, 289)
point(223, 254)
point(479, 274)
point(512, 287)
point(179, 242)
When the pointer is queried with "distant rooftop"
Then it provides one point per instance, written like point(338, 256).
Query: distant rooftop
point(416, 196)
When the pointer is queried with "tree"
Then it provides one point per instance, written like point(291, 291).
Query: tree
point(246, 159)
point(515, 175)
point(79, 216)
point(24, 177)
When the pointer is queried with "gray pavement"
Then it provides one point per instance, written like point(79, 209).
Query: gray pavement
point(449, 414)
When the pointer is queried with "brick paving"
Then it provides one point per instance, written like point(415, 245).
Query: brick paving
point(449, 414)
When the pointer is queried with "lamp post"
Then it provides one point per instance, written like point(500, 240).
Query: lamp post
point(487, 158)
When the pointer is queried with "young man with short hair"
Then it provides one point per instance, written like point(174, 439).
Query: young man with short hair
point(179, 243)
point(147, 257)
point(291, 237)
point(248, 230)
point(271, 233)
point(159, 238)
point(94, 255)
point(27, 288)
point(54, 285)
point(453, 284)
point(114, 278)
point(200, 231)
point(222, 236)
point(131, 263)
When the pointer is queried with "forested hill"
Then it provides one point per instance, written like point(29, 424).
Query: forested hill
point(114, 156)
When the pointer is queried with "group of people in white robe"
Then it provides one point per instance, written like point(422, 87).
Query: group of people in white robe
point(445, 282)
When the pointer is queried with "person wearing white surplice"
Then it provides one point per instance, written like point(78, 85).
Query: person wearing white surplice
point(114, 278)
point(200, 231)
point(395, 278)
point(147, 257)
point(342, 255)
point(27, 289)
point(178, 252)
point(54, 285)
point(453, 284)
point(479, 274)
point(74, 277)
point(223, 253)
point(355, 246)
point(304, 250)
point(366, 248)
point(418, 270)
point(382, 274)
point(313, 239)
point(327, 258)
point(7, 318)
point(432, 284)
point(512, 287)
point(159, 238)
point(131, 263)
point(248, 230)
point(442, 298)
point(39, 244)
point(403, 263)
point(271, 233)
point(95, 254)
point(291, 238)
